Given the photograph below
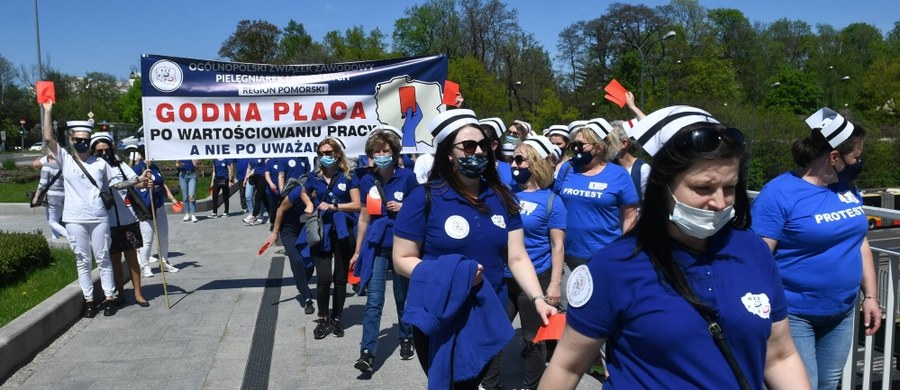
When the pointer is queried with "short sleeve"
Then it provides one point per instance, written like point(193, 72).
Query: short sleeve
point(594, 303)
point(768, 215)
point(365, 184)
point(515, 222)
point(353, 182)
point(296, 195)
point(558, 214)
point(411, 223)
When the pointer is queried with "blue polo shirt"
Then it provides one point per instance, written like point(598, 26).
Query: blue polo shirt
point(294, 167)
point(272, 167)
point(397, 189)
point(820, 232)
point(221, 167)
point(241, 167)
point(187, 166)
point(537, 223)
point(340, 192)
point(455, 226)
point(292, 215)
point(594, 205)
point(159, 196)
point(655, 339)
point(505, 172)
point(258, 165)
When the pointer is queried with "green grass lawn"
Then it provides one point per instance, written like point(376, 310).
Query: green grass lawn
point(39, 285)
point(15, 193)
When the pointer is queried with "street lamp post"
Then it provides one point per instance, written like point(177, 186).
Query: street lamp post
point(640, 49)
point(22, 133)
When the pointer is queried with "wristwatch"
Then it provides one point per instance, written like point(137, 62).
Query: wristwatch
point(542, 297)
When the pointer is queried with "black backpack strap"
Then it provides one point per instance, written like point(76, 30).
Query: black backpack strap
point(427, 201)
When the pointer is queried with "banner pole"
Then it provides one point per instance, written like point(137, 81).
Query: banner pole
point(162, 269)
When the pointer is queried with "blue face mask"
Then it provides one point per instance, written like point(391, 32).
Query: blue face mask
point(384, 161)
point(472, 166)
point(849, 173)
point(511, 139)
point(81, 147)
point(327, 161)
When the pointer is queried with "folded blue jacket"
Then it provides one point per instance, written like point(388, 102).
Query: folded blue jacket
point(466, 325)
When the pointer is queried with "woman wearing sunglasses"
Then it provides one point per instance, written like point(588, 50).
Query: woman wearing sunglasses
point(85, 216)
point(812, 220)
point(689, 267)
point(453, 236)
point(599, 196)
point(383, 191)
point(544, 225)
point(334, 193)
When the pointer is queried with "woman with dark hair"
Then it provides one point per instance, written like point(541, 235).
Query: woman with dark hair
point(383, 191)
point(124, 227)
point(599, 196)
point(813, 221)
point(334, 193)
point(544, 224)
point(493, 129)
point(150, 229)
point(688, 269)
point(452, 238)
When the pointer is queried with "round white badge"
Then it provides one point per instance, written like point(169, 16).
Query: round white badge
point(166, 76)
point(580, 286)
point(342, 186)
point(292, 163)
point(456, 227)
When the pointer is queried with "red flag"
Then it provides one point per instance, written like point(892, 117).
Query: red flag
point(45, 92)
point(451, 92)
point(617, 91)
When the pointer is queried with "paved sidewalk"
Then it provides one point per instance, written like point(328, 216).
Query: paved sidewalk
point(234, 323)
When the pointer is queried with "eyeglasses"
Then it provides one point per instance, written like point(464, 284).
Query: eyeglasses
point(707, 139)
point(326, 152)
point(81, 140)
point(471, 147)
point(519, 159)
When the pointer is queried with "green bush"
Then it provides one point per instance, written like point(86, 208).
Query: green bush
point(20, 253)
point(9, 164)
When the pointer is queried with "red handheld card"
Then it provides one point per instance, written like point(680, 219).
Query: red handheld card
point(45, 92)
point(451, 91)
point(407, 99)
point(263, 248)
point(553, 330)
point(620, 103)
point(616, 90)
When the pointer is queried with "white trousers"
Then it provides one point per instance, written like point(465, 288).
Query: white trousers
point(162, 223)
point(54, 216)
point(82, 238)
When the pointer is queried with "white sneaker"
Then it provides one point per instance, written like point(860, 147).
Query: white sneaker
point(169, 267)
point(213, 215)
point(193, 218)
point(225, 215)
point(186, 218)
point(153, 259)
point(146, 272)
point(249, 220)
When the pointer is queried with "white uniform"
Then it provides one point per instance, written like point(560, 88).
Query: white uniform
point(55, 197)
point(86, 219)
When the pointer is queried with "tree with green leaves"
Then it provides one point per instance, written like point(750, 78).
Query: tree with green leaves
point(252, 41)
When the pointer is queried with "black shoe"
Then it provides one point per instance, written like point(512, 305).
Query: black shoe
point(90, 310)
point(119, 300)
point(322, 329)
point(143, 303)
point(308, 307)
point(406, 349)
point(336, 327)
point(109, 308)
point(365, 362)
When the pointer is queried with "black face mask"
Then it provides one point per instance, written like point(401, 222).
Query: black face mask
point(850, 172)
point(521, 175)
point(108, 156)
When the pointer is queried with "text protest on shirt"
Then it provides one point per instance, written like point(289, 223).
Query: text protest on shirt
point(201, 109)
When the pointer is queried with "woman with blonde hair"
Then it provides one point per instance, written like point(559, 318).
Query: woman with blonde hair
point(333, 191)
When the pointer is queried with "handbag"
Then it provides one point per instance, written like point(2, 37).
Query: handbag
point(313, 229)
point(106, 197)
point(140, 209)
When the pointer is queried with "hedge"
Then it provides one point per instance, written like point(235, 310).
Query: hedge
point(20, 253)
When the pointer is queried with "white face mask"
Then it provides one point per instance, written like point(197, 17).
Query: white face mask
point(699, 223)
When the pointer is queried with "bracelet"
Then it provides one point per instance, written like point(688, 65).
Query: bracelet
point(542, 297)
point(869, 297)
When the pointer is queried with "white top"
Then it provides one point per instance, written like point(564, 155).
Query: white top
point(48, 171)
point(645, 173)
point(83, 203)
point(422, 168)
point(126, 214)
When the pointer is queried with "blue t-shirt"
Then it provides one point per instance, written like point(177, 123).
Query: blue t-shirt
point(397, 188)
point(186, 166)
point(819, 232)
point(293, 167)
point(593, 204)
point(221, 167)
point(340, 192)
point(241, 167)
point(505, 172)
point(272, 168)
point(258, 165)
point(654, 338)
point(455, 226)
point(537, 224)
point(159, 196)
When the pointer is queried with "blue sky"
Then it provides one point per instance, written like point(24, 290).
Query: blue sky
point(110, 35)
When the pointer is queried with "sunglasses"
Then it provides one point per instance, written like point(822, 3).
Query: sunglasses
point(707, 139)
point(576, 146)
point(470, 147)
point(81, 140)
point(519, 159)
point(326, 152)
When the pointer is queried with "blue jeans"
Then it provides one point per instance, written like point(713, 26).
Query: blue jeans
point(823, 343)
point(375, 302)
point(248, 193)
point(188, 183)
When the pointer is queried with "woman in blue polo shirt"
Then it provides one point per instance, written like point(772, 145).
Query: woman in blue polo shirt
point(187, 180)
point(652, 295)
point(599, 196)
point(335, 194)
point(544, 222)
point(466, 211)
point(813, 221)
point(382, 191)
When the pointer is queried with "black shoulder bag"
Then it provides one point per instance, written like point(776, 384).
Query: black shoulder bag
point(106, 197)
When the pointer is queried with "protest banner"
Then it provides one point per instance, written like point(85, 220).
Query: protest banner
point(201, 109)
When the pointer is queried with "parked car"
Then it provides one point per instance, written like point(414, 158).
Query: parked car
point(136, 139)
point(37, 147)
